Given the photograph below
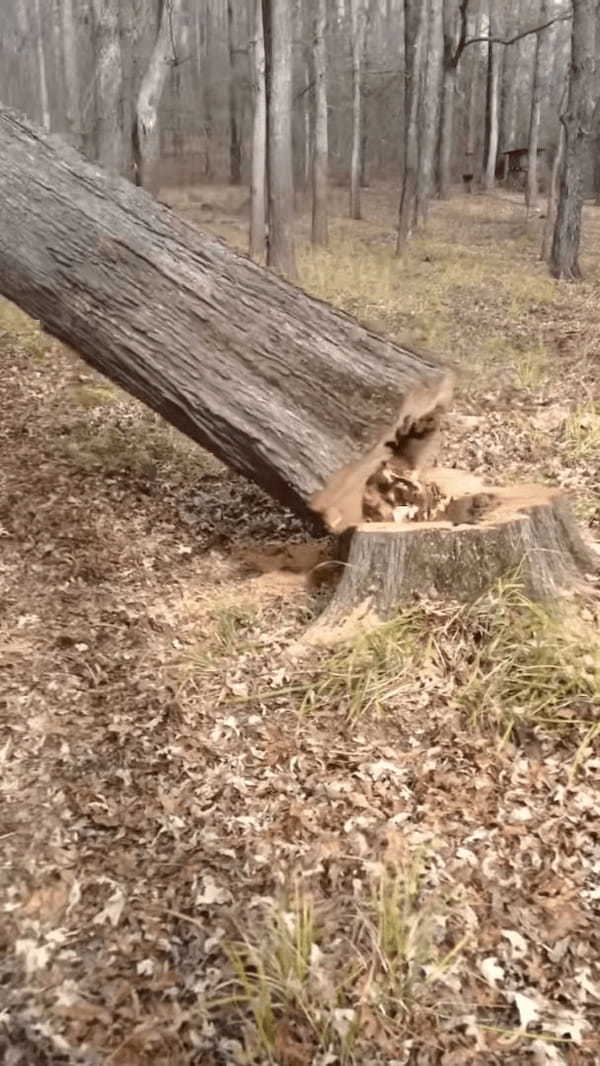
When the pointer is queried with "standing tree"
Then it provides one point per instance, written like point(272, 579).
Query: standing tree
point(430, 106)
point(277, 27)
point(164, 57)
point(358, 30)
point(71, 73)
point(235, 133)
point(541, 74)
point(414, 27)
point(492, 104)
point(455, 36)
point(42, 68)
point(320, 151)
point(109, 139)
point(258, 184)
point(577, 122)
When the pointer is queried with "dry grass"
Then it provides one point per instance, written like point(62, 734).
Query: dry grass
point(217, 853)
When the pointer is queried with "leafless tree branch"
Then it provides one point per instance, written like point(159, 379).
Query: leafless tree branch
point(563, 17)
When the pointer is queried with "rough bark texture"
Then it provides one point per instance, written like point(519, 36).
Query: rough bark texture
point(578, 127)
point(235, 133)
point(72, 82)
point(413, 35)
point(147, 130)
point(320, 152)
point(532, 532)
point(277, 23)
point(552, 204)
point(109, 87)
point(359, 21)
point(541, 74)
point(278, 385)
point(430, 109)
point(258, 187)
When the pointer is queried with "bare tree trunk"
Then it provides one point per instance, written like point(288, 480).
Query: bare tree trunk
point(493, 100)
point(577, 122)
point(72, 81)
point(235, 144)
point(430, 110)
point(147, 130)
point(552, 204)
point(447, 131)
point(320, 151)
point(359, 21)
point(288, 391)
point(277, 26)
point(42, 69)
point(414, 13)
point(541, 73)
point(110, 150)
point(474, 105)
point(258, 188)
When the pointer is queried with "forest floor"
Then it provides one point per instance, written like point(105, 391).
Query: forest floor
point(217, 853)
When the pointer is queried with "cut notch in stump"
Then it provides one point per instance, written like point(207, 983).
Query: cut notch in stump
point(528, 529)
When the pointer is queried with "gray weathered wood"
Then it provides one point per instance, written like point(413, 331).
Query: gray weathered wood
point(278, 385)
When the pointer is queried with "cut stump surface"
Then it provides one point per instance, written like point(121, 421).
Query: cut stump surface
point(529, 529)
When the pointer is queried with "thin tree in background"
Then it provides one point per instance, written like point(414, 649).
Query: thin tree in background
point(71, 73)
point(277, 28)
point(42, 68)
point(553, 188)
point(320, 151)
point(577, 122)
point(147, 129)
point(258, 189)
point(414, 27)
point(235, 143)
point(455, 35)
point(541, 73)
point(430, 109)
point(358, 30)
point(109, 133)
point(495, 59)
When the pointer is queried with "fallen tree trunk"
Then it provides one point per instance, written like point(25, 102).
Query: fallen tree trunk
point(292, 394)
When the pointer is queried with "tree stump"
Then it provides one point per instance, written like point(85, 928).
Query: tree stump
point(527, 529)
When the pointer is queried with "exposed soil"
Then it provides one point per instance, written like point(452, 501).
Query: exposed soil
point(164, 779)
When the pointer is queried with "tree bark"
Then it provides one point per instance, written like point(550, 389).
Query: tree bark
point(495, 56)
point(413, 49)
point(42, 68)
point(147, 130)
point(71, 69)
point(552, 204)
point(296, 396)
point(541, 73)
point(430, 110)
point(447, 131)
point(320, 151)
point(110, 151)
point(577, 122)
point(359, 23)
point(258, 188)
point(235, 142)
point(277, 27)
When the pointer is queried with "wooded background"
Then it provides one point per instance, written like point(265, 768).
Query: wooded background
point(57, 58)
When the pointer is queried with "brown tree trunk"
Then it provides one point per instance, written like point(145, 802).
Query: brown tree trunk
point(235, 141)
point(552, 204)
point(294, 395)
point(108, 82)
point(577, 122)
point(541, 73)
point(430, 110)
point(147, 129)
point(414, 13)
point(258, 186)
point(277, 25)
point(447, 130)
point(320, 151)
point(359, 24)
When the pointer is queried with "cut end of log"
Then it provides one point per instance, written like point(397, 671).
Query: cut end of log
point(411, 445)
point(482, 534)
